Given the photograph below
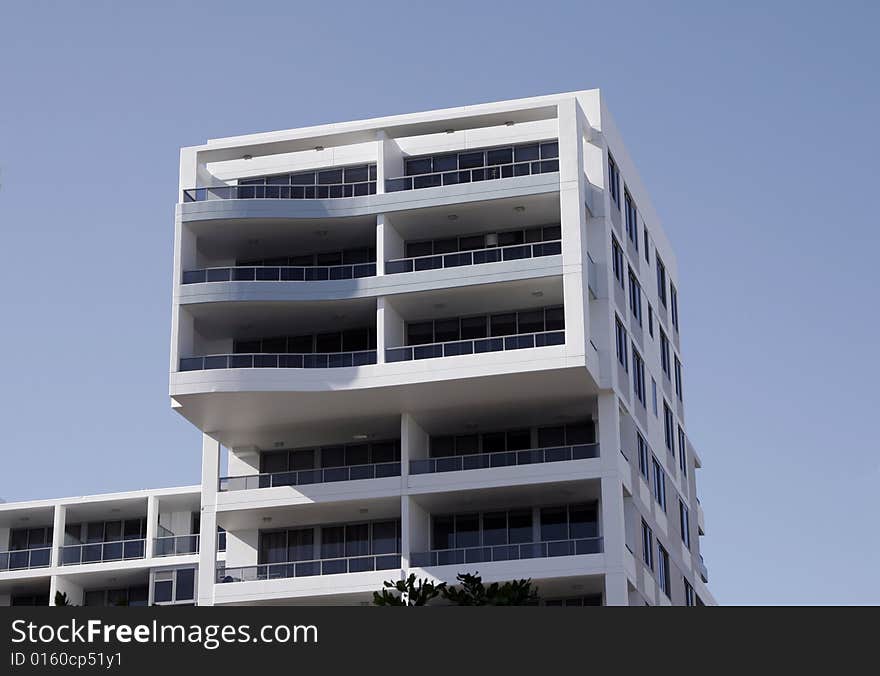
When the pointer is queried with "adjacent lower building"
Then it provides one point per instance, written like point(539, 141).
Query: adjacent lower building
point(434, 343)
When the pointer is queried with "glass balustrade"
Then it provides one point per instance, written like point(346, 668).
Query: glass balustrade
point(528, 550)
point(25, 558)
point(283, 361)
point(474, 257)
point(476, 346)
point(97, 552)
point(274, 571)
point(456, 463)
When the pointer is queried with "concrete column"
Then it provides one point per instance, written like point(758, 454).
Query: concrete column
point(152, 525)
point(389, 328)
point(59, 521)
point(389, 160)
point(611, 510)
point(208, 522)
point(389, 244)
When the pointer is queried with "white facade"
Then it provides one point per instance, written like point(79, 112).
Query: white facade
point(404, 334)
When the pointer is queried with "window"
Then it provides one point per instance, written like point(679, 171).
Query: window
point(635, 296)
point(682, 452)
point(673, 301)
point(689, 596)
point(664, 353)
point(632, 227)
point(647, 545)
point(613, 180)
point(668, 427)
point(654, 395)
point(638, 376)
point(684, 523)
point(650, 321)
point(647, 250)
point(678, 378)
point(663, 569)
point(174, 586)
point(617, 260)
point(643, 455)
point(659, 483)
point(661, 279)
point(621, 345)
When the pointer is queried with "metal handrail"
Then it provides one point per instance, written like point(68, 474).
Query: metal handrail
point(21, 559)
point(302, 477)
point(97, 552)
point(485, 173)
point(176, 545)
point(279, 273)
point(273, 571)
point(527, 550)
point(285, 192)
point(515, 341)
point(455, 463)
point(474, 257)
point(310, 360)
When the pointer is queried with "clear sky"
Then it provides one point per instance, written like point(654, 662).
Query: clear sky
point(754, 126)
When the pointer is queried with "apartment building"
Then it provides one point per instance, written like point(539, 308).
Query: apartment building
point(432, 343)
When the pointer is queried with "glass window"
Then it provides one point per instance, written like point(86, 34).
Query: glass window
point(442, 446)
point(332, 456)
point(355, 174)
point(281, 179)
point(113, 531)
point(510, 238)
point(333, 542)
point(357, 539)
point(329, 258)
point(416, 249)
point(444, 532)
point(300, 344)
point(473, 327)
point(472, 242)
point(384, 451)
point(503, 324)
point(303, 178)
point(421, 165)
point(580, 433)
point(519, 524)
point(530, 322)
point(554, 523)
point(446, 330)
point(551, 232)
point(138, 596)
point(448, 245)
point(277, 345)
point(499, 156)
point(330, 176)
point(470, 160)
point(554, 319)
point(328, 342)
point(354, 340)
point(274, 462)
point(18, 539)
point(467, 530)
point(495, 528)
point(95, 532)
point(185, 589)
point(94, 598)
point(273, 547)
point(419, 333)
point(467, 444)
point(162, 591)
point(549, 150)
point(526, 153)
point(518, 440)
point(494, 442)
point(445, 163)
point(548, 437)
point(357, 454)
point(301, 544)
point(385, 537)
point(582, 521)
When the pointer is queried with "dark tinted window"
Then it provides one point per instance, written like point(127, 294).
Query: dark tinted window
point(185, 590)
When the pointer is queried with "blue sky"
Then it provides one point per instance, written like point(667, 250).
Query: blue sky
point(754, 126)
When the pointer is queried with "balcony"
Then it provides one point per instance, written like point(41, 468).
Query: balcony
point(477, 346)
point(305, 477)
point(25, 558)
point(472, 166)
point(277, 571)
point(176, 545)
point(510, 552)
point(99, 552)
point(284, 361)
point(476, 257)
point(329, 183)
point(279, 274)
point(458, 463)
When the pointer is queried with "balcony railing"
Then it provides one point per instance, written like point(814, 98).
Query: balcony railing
point(528, 550)
point(456, 463)
point(98, 552)
point(704, 572)
point(280, 274)
point(474, 257)
point(476, 346)
point(280, 192)
point(457, 176)
point(176, 545)
point(304, 477)
point(25, 558)
point(277, 571)
point(276, 361)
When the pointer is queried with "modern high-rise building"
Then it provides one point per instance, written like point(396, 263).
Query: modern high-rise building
point(435, 343)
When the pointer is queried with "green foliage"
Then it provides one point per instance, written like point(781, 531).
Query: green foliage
point(471, 592)
point(61, 599)
point(410, 592)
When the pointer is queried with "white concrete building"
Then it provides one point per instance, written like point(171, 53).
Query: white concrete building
point(437, 343)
